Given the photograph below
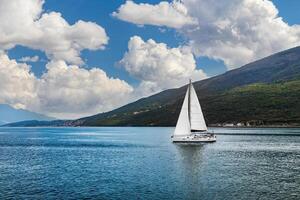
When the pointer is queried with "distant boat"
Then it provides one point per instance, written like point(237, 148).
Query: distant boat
point(191, 126)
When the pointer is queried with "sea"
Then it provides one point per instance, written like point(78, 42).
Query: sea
point(143, 163)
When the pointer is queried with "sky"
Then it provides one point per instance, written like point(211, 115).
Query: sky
point(74, 58)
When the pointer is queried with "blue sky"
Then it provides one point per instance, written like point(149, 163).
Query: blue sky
point(289, 10)
point(218, 42)
point(120, 32)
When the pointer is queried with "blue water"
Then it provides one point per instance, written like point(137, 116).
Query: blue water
point(142, 163)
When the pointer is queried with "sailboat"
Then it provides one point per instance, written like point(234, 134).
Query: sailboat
point(191, 126)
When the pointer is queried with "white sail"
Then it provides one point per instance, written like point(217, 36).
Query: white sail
point(196, 116)
point(183, 124)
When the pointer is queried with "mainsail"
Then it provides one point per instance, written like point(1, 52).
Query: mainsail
point(191, 116)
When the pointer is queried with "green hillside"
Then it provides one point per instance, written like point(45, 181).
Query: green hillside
point(257, 104)
point(264, 92)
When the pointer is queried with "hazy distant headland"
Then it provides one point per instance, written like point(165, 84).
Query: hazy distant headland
point(264, 93)
point(9, 114)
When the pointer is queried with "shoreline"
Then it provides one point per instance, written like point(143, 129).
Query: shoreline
point(145, 126)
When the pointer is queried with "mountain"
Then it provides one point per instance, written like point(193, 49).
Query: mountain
point(9, 114)
point(264, 92)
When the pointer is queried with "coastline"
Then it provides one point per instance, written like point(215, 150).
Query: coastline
point(210, 126)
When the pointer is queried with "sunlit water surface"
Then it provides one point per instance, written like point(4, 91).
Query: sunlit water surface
point(142, 163)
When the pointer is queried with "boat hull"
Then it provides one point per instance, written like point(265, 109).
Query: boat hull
point(195, 138)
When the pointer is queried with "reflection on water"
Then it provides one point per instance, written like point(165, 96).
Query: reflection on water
point(190, 165)
point(190, 157)
point(143, 163)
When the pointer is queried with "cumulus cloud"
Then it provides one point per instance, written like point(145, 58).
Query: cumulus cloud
point(17, 83)
point(234, 31)
point(238, 32)
point(24, 23)
point(158, 66)
point(173, 15)
point(70, 91)
point(64, 91)
point(29, 59)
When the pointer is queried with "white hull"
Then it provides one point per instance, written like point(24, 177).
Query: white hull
point(195, 138)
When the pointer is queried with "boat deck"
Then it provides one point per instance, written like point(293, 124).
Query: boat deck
point(195, 138)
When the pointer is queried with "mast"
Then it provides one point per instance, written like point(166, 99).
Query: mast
point(189, 100)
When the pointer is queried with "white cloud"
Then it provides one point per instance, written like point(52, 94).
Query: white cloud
point(173, 15)
point(238, 32)
point(158, 66)
point(29, 59)
point(71, 91)
point(17, 83)
point(235, 31)
point(24, 23)
point(63, 91)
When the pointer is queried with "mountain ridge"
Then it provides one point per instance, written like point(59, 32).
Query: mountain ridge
point(286, 66)
point(162, 109)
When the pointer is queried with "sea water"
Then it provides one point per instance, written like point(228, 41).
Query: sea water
point(142, 163)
